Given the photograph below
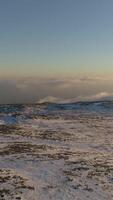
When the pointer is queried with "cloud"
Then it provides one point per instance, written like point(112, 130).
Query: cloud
point(101, 96)
point(50, 99)
point(97, 97)
point(66, 89)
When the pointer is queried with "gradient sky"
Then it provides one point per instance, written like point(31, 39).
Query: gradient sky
point(56, 38)
point(50, 36)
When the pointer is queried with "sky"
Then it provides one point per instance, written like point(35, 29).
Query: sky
point(55, 50)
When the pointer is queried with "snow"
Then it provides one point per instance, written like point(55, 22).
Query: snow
point(57, 152)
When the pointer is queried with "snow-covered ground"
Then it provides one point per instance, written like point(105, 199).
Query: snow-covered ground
point(56, 152)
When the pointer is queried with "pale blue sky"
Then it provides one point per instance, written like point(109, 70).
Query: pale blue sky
point(42, 37)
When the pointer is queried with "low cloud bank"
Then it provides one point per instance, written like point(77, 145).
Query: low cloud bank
point(97, 97)
point(59, 90)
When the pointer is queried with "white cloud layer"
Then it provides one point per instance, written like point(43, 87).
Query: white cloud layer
point(97, 97)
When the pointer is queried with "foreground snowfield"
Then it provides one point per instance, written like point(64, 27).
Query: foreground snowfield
point(56, 152)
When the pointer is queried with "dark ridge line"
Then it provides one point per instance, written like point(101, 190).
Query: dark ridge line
point(55, 103)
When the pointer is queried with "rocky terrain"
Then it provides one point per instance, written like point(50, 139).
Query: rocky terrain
point(56, 152)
